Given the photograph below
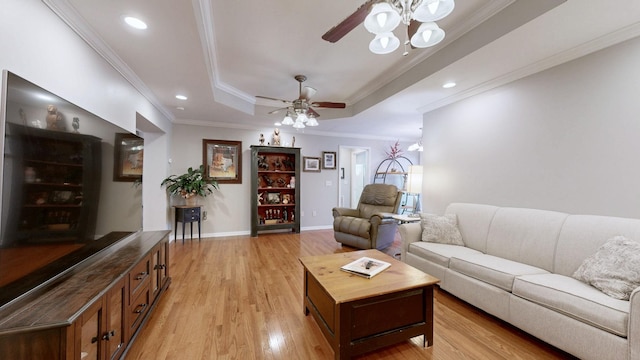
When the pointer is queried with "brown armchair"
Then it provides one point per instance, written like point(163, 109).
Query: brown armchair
point(370, 226)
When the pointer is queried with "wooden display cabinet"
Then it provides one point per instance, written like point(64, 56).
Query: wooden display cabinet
point(275, 188)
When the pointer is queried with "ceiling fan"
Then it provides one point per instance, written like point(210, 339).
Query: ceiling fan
point(302, 107)
point(381, 17)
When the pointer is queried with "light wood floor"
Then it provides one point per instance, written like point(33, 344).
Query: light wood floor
point(241, 298)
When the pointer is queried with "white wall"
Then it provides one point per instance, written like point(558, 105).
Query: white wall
point(229, 209)
point(41, 48)
point(565, 139)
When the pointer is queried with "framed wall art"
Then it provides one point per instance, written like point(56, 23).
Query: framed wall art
point(128, 157)
point(329, 160)
point(223, 160)
point(311, 163)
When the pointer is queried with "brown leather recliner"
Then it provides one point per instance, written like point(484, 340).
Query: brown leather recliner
point(370, 226)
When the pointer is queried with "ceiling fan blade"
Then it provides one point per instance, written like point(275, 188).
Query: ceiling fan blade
point(339, 31)
point(307, 92)
point(274, 99)
point(328, 104)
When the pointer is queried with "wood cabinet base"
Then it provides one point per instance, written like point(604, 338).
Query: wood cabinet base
point(96, 310)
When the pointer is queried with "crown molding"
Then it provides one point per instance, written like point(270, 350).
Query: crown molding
point(305, 131)
point(67, 13)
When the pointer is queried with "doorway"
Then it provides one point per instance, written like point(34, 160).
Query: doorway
point(354, 169)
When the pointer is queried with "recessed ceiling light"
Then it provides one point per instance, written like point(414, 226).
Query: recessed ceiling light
point(181, 97)
point(277, 123)
point(180, 108)
point(135, 22)
point(449, 85)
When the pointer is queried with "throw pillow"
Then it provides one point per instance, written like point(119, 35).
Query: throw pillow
point(613, 269)
point(441, 229)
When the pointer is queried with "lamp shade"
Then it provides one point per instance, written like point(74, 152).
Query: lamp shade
point(384, 43)
point(287, 119)
point(312, 121)
point(382, 18)
point(433, 10)
point(414, 179)
point(428, 34)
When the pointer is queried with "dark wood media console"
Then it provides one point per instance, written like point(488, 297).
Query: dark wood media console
point(95, 310)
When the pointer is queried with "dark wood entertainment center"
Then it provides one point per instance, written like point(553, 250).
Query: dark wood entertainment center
point(93, 311)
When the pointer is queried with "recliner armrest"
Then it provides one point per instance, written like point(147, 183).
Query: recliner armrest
point(338, 211)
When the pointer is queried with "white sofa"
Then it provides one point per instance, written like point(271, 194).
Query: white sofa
point(517, 264)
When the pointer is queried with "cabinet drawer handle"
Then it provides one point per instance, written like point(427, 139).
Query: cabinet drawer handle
point(109, 335)
point(160, 267)
point(140, 308)
point(94, 339)
point(141, 275)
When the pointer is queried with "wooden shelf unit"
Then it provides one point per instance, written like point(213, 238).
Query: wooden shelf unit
point(275, 203)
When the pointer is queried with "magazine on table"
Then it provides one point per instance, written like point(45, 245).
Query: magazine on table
point(366, 267)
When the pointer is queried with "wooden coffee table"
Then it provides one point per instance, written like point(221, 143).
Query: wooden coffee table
point(358, 315)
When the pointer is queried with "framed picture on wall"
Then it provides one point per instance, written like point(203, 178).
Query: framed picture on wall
point(328, 159)
point(222, 160)
point(311, 164)
point(128, 157)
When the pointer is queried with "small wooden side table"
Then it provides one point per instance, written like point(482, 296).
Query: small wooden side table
point(187, 214)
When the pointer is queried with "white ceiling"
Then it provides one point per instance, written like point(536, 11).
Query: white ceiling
point(223, 53)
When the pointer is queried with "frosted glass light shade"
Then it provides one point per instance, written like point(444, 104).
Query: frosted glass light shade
point(382, 18)
point(433, 10)
point(298, 125)
point(302, 118)
point(287, 119)
point(312, 121)
point(384, 43)
point(428, 34)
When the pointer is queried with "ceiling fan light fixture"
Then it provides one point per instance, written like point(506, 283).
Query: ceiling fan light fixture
point(433, 10)
point(287, 119)
point(384, 43)
point(428, 34)
point(312, 121)
point(298, 125)
point(382, 18)
point(302, 118)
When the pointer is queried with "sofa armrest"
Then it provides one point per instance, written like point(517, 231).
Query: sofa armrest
point(338, 211)
point(634, 325)
point(409, 233)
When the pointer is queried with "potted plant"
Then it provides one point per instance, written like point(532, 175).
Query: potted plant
point(190, 184)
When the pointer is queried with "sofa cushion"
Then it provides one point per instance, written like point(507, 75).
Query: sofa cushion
point(439, 253)
point(528, 236)
point(473, 222)
point(441, 229)
point(491, 269)
point(575, 299)
point(614, 269)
